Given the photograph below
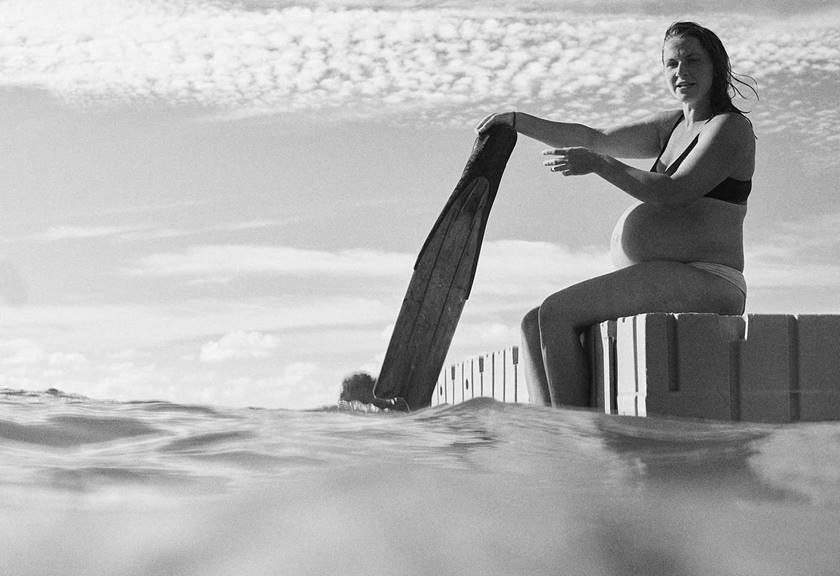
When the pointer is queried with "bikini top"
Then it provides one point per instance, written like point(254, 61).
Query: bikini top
point(730, 190)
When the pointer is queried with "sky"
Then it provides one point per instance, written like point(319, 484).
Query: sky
point(220, 202)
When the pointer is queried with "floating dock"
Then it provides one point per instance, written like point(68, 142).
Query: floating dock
point(493, 375)
point(756, 368)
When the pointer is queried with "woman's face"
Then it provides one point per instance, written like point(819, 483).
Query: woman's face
point(688, 69)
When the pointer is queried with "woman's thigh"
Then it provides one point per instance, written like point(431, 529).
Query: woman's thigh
point(642, 288)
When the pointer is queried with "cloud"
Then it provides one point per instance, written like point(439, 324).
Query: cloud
point(13, 289)
point(245, 349)
point(530, 269)
point(139, 232)
point(298, 385)
point(157, 233)
point(108, 329)
point(298, 372)
point(496, 7)
point(489, 335)
point(227, 261)
point(19, 351)
point(430, 62)
point(776, 266)
point(801, 253)
point(293, 384)
point(239, 345)
point(62, 233)
point(30, 352)
point(67, 360)
point(506, 267)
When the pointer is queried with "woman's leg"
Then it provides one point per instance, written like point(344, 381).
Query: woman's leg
point(671, 287)
point(532, 357)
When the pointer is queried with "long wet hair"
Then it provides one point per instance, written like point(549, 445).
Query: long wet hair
point(723, 79)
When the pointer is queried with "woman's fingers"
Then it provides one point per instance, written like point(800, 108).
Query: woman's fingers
point(487, 123)
point(558, 165)
point(482, 125)
point(572, 161)
point(555, 152)
point(559, 162)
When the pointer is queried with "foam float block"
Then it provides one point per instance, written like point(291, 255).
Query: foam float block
point(819, 367)
point(493, 375)
point(767, 370)
point(771, 368)
point(600, 340)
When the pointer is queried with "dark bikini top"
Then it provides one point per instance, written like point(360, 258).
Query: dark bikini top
point(730, 190)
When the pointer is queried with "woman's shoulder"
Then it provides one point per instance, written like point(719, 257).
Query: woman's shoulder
point(732, 125)
point(731, 134)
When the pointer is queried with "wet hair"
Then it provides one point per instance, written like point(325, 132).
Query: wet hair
point(723, 79)
point(358, 386)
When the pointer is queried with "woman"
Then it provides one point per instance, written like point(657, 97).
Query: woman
point(681, 245)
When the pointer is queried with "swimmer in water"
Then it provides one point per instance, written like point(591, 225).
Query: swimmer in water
point(679, 248)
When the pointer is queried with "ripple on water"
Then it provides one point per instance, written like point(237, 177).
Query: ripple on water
point(479, 488)
point(68, 430)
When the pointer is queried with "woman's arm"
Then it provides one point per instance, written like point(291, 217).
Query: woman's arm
point(638, 139)
point(556, 133)
point(725, 146)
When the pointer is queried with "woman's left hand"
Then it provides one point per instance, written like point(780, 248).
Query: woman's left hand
point(572, 161)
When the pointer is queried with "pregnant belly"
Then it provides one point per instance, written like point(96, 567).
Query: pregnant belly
point(708, 230)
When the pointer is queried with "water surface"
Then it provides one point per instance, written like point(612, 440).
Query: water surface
point(94, 487)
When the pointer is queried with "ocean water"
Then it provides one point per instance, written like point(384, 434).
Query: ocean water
point(148, 488)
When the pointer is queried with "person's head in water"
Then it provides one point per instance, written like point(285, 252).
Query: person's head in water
point(722, 88)
point(358, 386)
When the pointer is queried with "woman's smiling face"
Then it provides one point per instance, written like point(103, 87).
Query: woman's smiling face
point(688, 69)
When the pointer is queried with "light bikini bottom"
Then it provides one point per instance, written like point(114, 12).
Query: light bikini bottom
point(731, 275)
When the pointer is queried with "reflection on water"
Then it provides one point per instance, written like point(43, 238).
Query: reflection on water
point(90, 487)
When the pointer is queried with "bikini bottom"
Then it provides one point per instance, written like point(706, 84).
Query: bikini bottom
point(731, 275)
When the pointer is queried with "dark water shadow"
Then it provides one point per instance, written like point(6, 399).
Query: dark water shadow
point(690, 454)
point(66, 430)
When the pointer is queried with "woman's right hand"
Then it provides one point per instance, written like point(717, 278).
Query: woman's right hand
point(506, 118)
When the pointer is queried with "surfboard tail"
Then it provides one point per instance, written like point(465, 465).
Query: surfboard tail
point(442, 279)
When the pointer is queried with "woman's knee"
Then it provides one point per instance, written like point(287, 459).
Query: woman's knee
point(556, 311)
point(531, 323)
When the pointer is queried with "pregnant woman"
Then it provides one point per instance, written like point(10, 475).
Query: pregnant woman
point(679, 248)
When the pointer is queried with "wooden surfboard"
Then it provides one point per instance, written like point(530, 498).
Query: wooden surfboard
point(442, 279)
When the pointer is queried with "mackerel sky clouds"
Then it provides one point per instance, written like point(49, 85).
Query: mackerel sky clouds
point(444, 62)
point(221, 201)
